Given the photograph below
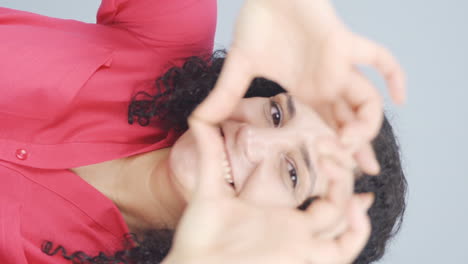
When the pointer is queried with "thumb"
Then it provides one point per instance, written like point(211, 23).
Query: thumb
point(211, 172)
point(233, 82)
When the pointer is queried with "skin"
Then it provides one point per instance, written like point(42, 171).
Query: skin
point(263, 151)
point(218, 227)
point(264, 142)
point(318, 55)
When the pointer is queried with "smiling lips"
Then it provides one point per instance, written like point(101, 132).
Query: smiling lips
point(226, 164)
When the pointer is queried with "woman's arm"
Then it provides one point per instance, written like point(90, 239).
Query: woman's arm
point(186, 27)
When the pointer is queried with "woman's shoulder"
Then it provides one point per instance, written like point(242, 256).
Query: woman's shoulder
point(181, 27)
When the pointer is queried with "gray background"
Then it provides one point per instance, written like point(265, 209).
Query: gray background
point(430, 40)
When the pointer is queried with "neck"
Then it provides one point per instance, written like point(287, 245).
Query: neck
point(141, 187)
point(147, 198)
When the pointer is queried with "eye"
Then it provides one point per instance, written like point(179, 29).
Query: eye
point(292, 173)
point(276, 114)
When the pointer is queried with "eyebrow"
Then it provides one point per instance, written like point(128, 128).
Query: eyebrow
point(303, 149)
point(306, 157)
point(291, 106)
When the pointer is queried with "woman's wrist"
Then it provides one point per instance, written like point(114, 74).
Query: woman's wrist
point(174, 258)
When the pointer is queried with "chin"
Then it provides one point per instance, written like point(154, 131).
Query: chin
point(183, 165)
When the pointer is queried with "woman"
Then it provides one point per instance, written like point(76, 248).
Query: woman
point(36, 158)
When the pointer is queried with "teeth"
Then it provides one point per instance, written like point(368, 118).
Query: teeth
point(227, 167)
point(228, 178)
point(227, 170)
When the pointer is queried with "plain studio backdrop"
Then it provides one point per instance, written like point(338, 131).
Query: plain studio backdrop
point(430, 40)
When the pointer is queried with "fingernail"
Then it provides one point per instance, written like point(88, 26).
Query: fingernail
point(367, 199)
point(357, 172)
point(375, 167)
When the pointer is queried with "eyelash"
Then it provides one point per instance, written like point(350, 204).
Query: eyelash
point(274, 105)
point(292, 173)
point(277, 123)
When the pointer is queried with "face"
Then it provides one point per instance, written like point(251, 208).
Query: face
point(270, 144)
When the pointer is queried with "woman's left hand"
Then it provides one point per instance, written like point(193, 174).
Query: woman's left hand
point(218, 227)
point(302, 45)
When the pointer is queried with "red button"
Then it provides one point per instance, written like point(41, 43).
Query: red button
point(21, 154)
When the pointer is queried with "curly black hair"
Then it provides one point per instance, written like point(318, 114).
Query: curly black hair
point(176, 95)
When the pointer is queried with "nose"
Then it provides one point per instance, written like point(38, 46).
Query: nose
point(261, 143)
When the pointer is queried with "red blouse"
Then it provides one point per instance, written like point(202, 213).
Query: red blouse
point(65, 88)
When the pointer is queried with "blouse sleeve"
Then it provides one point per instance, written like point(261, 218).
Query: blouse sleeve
point(178, 25)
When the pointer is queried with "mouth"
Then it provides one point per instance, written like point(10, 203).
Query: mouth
point(226, 163)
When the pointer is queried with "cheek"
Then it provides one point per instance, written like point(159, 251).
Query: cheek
point(265, 187)
point(183, 165)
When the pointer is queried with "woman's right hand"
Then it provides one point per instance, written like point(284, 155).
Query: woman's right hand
point(305, 47)
point(217, 227)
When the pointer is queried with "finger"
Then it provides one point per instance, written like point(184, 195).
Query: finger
point(323, 216)
point(331, 148)
point(346, 247)
point(365, 157)
point(329, 221)
point(366, 160)
point(211, 181)
point(328, 79)
point(231, 86)
point(326, 113)
point(343, 114)
point(341, 182)
point(368, 107)
point(367, 52)
point(334, 231)
point(350, 244)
